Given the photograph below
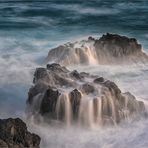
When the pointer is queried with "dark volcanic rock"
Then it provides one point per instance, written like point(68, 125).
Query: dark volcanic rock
point(38, 88)
point(14, 134)
point(116, 48)
point(112, 87)
point(109, 49)
point(99, 80)
point(75, 99)
point(87, 88)
point(69, 96)
point(57, 68)
point(124, 45)
point(76, 75)
point(49, 101)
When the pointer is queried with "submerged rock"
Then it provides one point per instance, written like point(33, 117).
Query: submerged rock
point(109, 49)
point(80, 98)
point(14, 134)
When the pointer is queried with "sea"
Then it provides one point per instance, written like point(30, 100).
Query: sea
point(30, 28)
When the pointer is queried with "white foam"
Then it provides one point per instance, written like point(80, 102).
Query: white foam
point(128, 134)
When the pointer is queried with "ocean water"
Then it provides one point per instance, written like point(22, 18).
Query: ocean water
point(30, 28)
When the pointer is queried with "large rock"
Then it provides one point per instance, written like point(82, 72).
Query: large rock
point(79, 97)
point(109, 49)
point(14, 134)
point(119, 49)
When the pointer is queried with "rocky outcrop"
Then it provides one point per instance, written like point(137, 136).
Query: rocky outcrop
point(14, 134)
point(74, 97)
point(109, 49)
point(119, 49)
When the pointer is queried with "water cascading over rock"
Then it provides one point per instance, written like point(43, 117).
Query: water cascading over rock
point(109, 49)
point(70, 97)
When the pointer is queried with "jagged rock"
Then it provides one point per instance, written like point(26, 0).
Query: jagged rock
point(109, 49)
point(57, 68)
point(117, 45)
point(132, 104)
point(80, 96)
point(112, 87)
point(3, 144)
point(13, 133)
point(49, 101)
point(90, 38)
point(52, 76)
point(115, 48)
point(99, 80)
point(87, 88)
point(75, 99)
point(76, 75)
point(40, 87)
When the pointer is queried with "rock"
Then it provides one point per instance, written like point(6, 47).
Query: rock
point(76, 75)
point(40, 87)
point(41, 73)
point(56, 67)
point(109, 49)
point(132, 104)
point(112, 87)
point(13, 133)
point(99, 80)
point(75, 99)
point(115, 48)
point(52, 76)
point(3, 144)
point(87, 88)
point(48, 104)
point(68, 96)
point(91, 38)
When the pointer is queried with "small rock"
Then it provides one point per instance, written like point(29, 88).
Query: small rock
point(14, 133)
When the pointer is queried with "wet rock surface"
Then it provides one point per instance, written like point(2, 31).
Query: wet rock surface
point(74, 97)
point(14, 134)
point(109, 49)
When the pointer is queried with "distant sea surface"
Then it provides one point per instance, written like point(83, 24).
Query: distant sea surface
point(29, 21)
